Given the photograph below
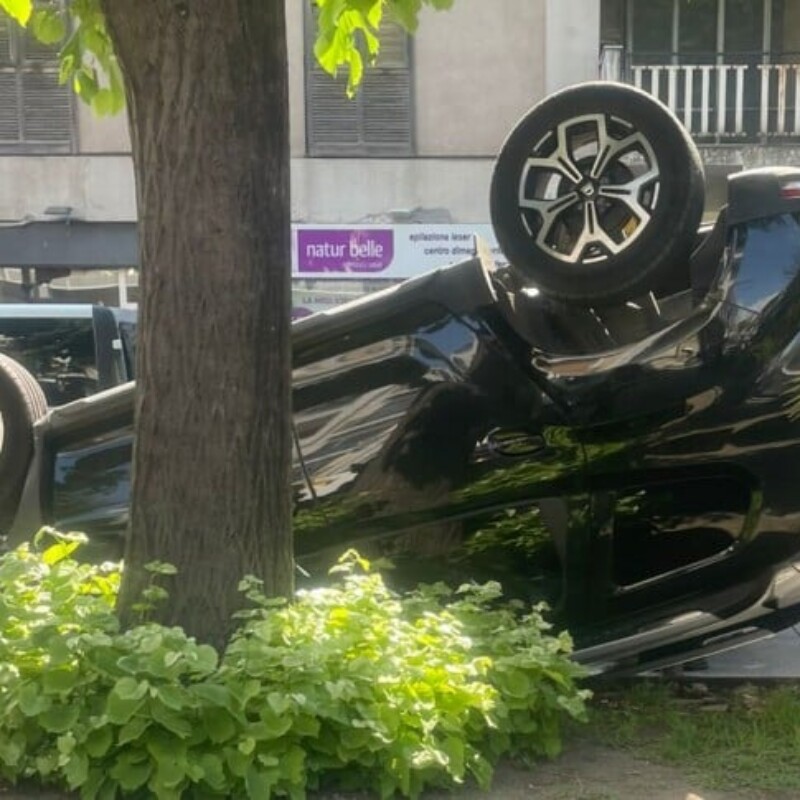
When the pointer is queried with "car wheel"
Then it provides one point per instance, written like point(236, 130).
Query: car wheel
point(22, 402)
point(597, 194)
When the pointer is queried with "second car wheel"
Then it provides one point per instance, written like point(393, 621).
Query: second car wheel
point(597, 194)
point(22, 403)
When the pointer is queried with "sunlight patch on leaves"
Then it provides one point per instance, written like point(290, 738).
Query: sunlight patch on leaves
point(348, 32)
point(19, 10)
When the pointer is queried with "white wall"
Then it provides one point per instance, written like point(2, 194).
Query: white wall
point(296, 56)
point(97, 188)
point(350, 190)
point(101, 134)
point(101, 188)
point(477, 68)
point(572, 43)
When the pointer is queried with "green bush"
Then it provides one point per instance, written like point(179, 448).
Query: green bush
point(349, 686)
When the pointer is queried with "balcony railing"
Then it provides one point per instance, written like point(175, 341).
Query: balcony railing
point(719, 97)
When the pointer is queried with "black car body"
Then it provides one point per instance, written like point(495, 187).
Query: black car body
point(72, 350)
point(634, 465)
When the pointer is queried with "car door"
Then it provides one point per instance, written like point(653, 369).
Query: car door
point(427, 441)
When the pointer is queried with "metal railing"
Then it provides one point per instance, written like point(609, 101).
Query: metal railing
point(718, 96)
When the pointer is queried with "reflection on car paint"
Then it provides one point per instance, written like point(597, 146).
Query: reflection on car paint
point(647, 492)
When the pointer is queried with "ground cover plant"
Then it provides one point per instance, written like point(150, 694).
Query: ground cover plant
point(348, 686)
point(741, 737)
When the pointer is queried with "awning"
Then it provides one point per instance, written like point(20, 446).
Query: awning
point(69, 244)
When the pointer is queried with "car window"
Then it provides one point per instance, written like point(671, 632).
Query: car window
point(91, 484)
point(60, 353)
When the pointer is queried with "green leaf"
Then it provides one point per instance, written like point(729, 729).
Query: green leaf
point(453, 747)
point(57, 681)
point(406, 13)
point(49, 27)
point(259, 783)
point(76, 770)
point(130, 689)
point(132, 730)
point(174, 697)
point(59, 551)
point(213, 694)
point(169, 773)
point(170, 719)
point(219, 725)
point(91, 786)
point(59, 718)
point(206, 658)
point(20, 10)
point(85, 84)
point(213, 771)
point(120, 710)
point(31, 701)
point(131, 770)
point(237, 761)
point(99, 741)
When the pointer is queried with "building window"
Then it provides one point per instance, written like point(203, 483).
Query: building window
point(729, 69)
point(378, 120)
point(36, 112)
point(706, 31)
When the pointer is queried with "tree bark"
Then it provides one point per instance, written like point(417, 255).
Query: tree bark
point(208, 107)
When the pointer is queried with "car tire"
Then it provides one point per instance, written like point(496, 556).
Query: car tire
point(597, 194)
point(22, 403)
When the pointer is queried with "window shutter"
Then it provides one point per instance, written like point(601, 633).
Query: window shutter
point(387, 112)
point(333, 119)
point(377, 121)
point(47, 108)
point(36, 112)
point(9, 109)
point(5, 42)
point(9, 100)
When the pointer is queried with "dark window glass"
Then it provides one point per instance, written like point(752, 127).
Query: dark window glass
point(786, 30)
point(612, 22)
point(698, 27)
point(60, 353)
point(652, 30)
point(661, 528)
point(744, 26)
point(91, 490)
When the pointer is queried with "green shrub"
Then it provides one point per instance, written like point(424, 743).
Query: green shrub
point(349, 686)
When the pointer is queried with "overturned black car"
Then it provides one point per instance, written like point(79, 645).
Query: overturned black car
point(611, 423)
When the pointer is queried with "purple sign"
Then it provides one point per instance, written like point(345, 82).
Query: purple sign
point(344, 250)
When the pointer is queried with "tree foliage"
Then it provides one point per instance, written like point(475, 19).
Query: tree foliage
point(347, 37)
point(348, 30)
point(86, 55)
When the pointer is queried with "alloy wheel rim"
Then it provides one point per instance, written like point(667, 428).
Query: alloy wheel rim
point(589, 188)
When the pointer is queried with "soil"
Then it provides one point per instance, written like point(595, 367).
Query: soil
point(585, 771)
point(588, 771)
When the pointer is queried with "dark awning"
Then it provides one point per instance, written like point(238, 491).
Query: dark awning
point(70, 244)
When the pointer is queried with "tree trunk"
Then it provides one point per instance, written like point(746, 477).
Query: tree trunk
point(207, 94)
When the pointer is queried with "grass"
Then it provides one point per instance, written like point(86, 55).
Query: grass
point(743, 738)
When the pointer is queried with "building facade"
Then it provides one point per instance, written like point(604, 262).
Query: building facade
point(407, 164)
